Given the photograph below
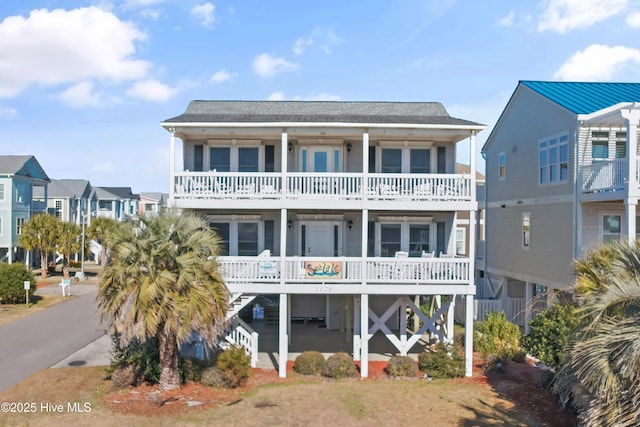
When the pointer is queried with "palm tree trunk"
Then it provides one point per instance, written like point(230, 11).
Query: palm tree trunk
point(43, 264)
point(65, 267)
point(169, 374)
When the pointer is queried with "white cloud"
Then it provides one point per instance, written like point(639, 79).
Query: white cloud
point(152, 90)
point(222, 76)
point(276, 96)
point(507, 21)
point(266, 65)
point(56, 47)
point(103, 167)
point(566, 15)
point(301, 45)
point(326, 38)
point(82, 95)
point(8, 113)
point(597, 63)
point(633, 20)
point(153, 14)
point(204, 13)
point(141, 3)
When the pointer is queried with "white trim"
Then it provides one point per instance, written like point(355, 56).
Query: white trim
point(320, 124)
point(547, 200)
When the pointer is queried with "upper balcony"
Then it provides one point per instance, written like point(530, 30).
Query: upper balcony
point(608, 180)
point(198, 189)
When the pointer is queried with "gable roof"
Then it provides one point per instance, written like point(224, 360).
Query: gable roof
point(114, 193)
point(586, 97)
point(65, 188)
point(318, 112)
point(26, 166)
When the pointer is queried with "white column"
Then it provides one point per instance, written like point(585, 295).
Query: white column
point(451, 313)
point(283, 347)
point(472, 164)
point(365, 164)
point(364, 335)
point(630, 213)
point(284, 151)
point(172, 166)
point(632, 117)
point(528, 305)
point(468, 336)
point(356, 327)
point(403, 329)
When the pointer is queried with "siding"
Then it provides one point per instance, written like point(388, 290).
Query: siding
point(592, 223)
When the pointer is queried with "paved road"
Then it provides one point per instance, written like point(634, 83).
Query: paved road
point(43, 339)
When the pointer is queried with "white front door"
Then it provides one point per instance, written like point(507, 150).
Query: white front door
point(319, 239)
point(320, 159)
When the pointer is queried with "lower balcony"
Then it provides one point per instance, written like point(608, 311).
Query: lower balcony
point(341, 274)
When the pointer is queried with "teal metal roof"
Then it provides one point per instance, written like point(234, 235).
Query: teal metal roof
point(585, 97)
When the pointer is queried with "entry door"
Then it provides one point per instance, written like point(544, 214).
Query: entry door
point(319, 239)
point(321, 159)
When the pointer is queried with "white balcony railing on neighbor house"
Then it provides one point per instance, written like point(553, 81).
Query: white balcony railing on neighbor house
point(332, 186)
point(343, 270)
point(606, 175)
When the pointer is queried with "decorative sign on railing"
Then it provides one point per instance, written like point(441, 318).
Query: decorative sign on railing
point(323, 270)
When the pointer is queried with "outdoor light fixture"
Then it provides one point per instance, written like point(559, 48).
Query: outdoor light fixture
point(290, 146)
point(349, 147)
point(289, 224)
point(350, 224)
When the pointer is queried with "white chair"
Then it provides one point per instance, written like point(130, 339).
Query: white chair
point(428, 254)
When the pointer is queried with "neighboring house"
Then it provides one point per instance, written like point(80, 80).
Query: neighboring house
point(19, 175)
point(69, 199)
point(117, 203)
point(152, 203)
point(339, 211)
point(562, 178)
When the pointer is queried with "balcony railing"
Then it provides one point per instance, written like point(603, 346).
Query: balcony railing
point(606, 175)
point(337, 270)
point(330, 186)
point(38, 206)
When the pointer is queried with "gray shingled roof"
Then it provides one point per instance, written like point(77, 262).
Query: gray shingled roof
point(23, 166)
point(318, 112)
point(111, 193)
point(65, 188)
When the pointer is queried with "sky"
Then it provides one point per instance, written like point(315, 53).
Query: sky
point(84, 85)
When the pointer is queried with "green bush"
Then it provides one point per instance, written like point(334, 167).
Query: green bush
point(145, 357)
point(549, 332)
point(191, 369)
point(340, 365)
point(309, 363)
point(234, 364)
point(12, 278)
point(497, 336)
point(495, 363)
point(442, 361)
point(74, 264)
point(402, 366)
point(125, 376)
point(213, 377)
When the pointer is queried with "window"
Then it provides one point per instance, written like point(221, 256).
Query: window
point(148, 207)
point(621, 145)
point(610, 228)
point(526, 230)
point(59, 209)
point(220, 159)
point(418, 239)
point(222, 230)
point(248, 159)
point(553, 160)
point(502, 165)
point(599, 145)
point(389, 239)
point(1, 191)
point(420, 160)
point(105, 205)
point(19, 225)
point(247, 238)
point(461, 241)
point(391, 160)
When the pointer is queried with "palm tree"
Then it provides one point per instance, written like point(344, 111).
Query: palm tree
point(602, 373)
point(68, 242)
point(100, 230)
point(162, 281)
point(40, 233)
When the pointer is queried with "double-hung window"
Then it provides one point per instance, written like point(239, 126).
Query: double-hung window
point(553, 160)
point(220, 159)
point(247, 238)
point(248, 159)
point(418, 239)
point(502, 165)
point(420, 160)
point(391, 160)
point(390, 239)
point(599, 145)
point(610, 228)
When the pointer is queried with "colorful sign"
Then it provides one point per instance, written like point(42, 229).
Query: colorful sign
point(323, 270)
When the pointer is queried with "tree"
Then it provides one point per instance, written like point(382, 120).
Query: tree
point(602, 373)
point(100, 230)
point(68, 242)
point(162, 281)
point(40, 233)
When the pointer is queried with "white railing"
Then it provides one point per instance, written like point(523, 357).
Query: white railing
point(344, 270)
point(334, 186)
point(604, 175)
point(516, 310)
point(481, 308)
point(241, 335)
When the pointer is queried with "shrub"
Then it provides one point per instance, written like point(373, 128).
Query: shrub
point(234, 364)
point(309, 363)
point(402, 366)
point(442, 361)
point(125, 376)
point(495, 363)
point(74, 264)
point(548, 333)
point(497, 336)
point(213, 377)
point(340, 365)
point(145, 357)
point(191, 369)
point(12, 278)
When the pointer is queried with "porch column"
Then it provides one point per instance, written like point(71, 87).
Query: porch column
point(528, 305)
point(284, 150)
point(364, 335)
point(283, 340)
point(630, 213)
point(361, 323)
point(365, 164)
point(172, 166)
point(632, 117)
point(472, 165)
point(468, 336)
point(356, 327)
point(451, 314)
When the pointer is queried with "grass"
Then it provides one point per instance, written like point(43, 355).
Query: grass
point(319, 403)
point(11, 312)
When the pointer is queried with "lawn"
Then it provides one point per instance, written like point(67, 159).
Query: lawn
point(11, 312)
point(268, 400)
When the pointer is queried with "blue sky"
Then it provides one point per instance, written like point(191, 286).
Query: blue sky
point(84, 85)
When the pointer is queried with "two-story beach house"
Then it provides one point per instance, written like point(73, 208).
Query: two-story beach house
point(344, 212)
point(118, 203)
point(151, 203)
point(19, 175)
point(562, 178)
point(70, 200)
